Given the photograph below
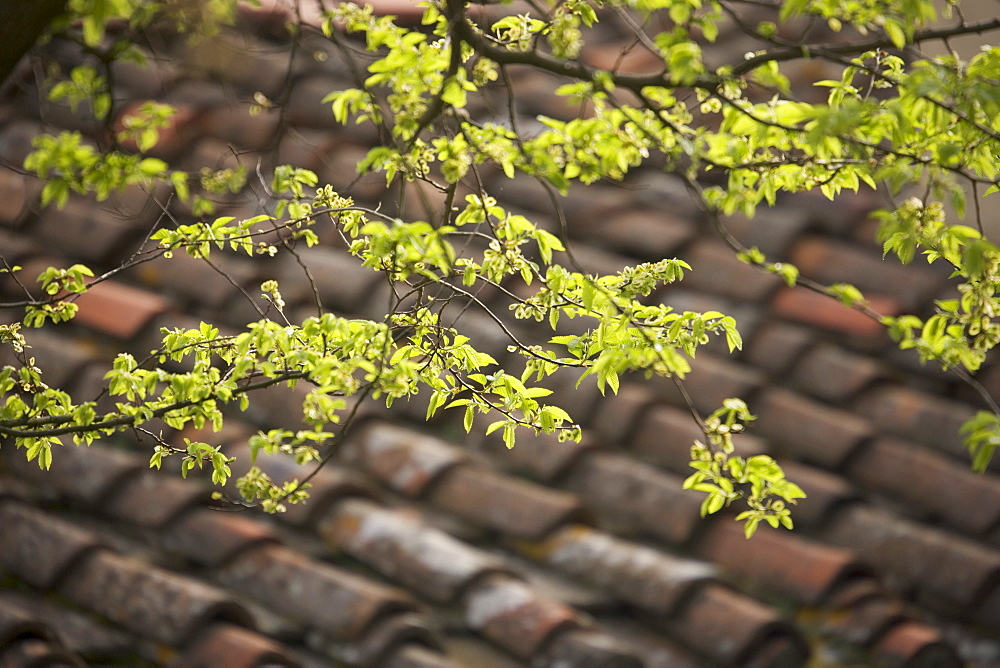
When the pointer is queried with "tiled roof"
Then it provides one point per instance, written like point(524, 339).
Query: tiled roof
point(422, 547)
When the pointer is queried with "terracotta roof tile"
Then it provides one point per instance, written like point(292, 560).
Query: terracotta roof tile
point(513, 507)
point(615, 418)
point(151, 501)
point(711, 380)
point(148, 601)
point(915, 644)
point(649, 579)
point(587, 647)
point(833, 374)
point(413, 655)
point(78, 473)
point(223, 644)
point(17, 194)
point(540, 456)
point(827, 494)
point(948, 573)
point(727, 627)
point(407, 461)
point(772, 231)
point(655, 650)
point(329, 484)
point(513, 615)
point(631, 496)
point(386, 638)
point(342, 283)
point(324, 599)
point(930, 482)
point(240, 126)
point(645, 233)
point(30, 651)
point(84, 232)
point(915, 415)
point(719, 271)
point(78, 632)
point(399, 545)
point(15, 623)
point(809, 430)
point(863, 621)
point(118, 310)
point(829, 261)
point(305, 108)
point(211, 538)
point(803, 306)
point(193, 280)
point(38, 549)
point(776, 347)
point(803, 570)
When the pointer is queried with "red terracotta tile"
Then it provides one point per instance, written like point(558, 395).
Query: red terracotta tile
point(223, 644)
point(717, 270)
point(777, 346)
point(929, 482)
point(305, 108)
point(664, 435)
point(588, 647)
point(644, 577)
point(729, 628)
point(779, 562)
point(15, 622)
point(644, 233)
point(399, 545)
point(630, 59)
point(240, 127)
point(655, 650)
point(211, 538)
point(30, 651)
point(39, 548)
point(85, 475)
point(615, 418)
point(772, 231)
point(915, 644)
point(84, 232)
point(16, 140)
point(413, 655)
point(865, 620)
point(828, 261)
point(174, 138)
point(810, 308)
point(151, 501)
point(918, 416)
point(329, 484)
point(77, 631)
point(148, 601)
point(512, 507)
point(540, 456)
point(192, 280)
point(851, 209)
point(117, 309)
point(632, 497)
point(328, 600)
point(17, 194)
point(946, 572)
point(826, 494)
point(830, 373)
point(808, 430)
point(513, 615)
point(385, 638)
point(342, 283)
point(712, 380)
point(406, 460)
